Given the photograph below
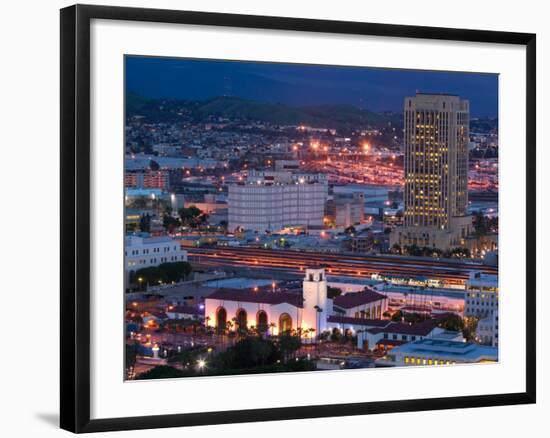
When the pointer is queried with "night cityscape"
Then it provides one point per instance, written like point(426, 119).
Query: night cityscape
point(287, 218)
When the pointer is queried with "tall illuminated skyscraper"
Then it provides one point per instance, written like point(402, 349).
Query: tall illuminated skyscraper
point(436, 172)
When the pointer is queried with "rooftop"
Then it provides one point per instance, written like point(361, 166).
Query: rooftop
point(144, 240)
point(420, 329)
point(190, 310)
point(354, 299)
point(358, 321)
point(451, 349)
point(261, 295)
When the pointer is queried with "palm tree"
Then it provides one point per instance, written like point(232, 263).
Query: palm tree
point(271, 327)
point(358, 333)
point(311, 331)
point(319, 310)
point(228, 325)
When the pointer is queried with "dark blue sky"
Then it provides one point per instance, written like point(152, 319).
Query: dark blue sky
point(296, 84)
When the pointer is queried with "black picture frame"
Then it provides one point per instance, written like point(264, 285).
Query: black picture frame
point(75, 217)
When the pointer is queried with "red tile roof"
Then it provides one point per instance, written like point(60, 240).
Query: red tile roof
point(259, 296)
point(190, 310)
point(355, 299)
point(358, 321)
point(421, 329)
point(392, 342)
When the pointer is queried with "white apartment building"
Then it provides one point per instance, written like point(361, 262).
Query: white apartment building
point(481, 295)
point(275, 200)
point(487, 330)
point(482, 302)
point(142, 252)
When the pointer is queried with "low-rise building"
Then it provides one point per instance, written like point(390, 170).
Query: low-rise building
point(396, 333)
point(185, 312)
point(272, 312)
point(438, 352)
point(367, 304)
point(148, 179)
point(481, 295)
point(345, 210)
point(275, 200)
point(143, 251)
point(487, 330)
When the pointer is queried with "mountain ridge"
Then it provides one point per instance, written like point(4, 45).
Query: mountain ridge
point(319, 116)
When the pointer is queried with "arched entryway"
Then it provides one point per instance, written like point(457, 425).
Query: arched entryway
point(221, 319)
point(241, 319)
point(285, 323)
point(261, 321)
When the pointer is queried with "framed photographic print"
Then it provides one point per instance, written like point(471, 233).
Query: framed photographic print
point(271, 218)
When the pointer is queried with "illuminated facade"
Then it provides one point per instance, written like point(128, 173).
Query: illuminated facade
point(436, 172)
point(270, 311)
point(275, 200)
point(482, 302)
point(150, 179)
point(429, 351)
point(144, 252)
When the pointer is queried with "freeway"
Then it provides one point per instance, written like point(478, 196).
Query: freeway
point(448, 271)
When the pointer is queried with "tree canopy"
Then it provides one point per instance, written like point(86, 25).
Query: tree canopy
point(164, 273)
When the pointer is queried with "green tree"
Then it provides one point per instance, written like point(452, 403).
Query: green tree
point(333, 291)
point(288, 345)
point(192, 216)
point(170, 222)
point(452, 323)
point(480, 223)
point(350, 230)
point(248, 352)
point(470, 327)
point(161, 372)
point(188, 356)
point(413, 250)
point(164, 273)
point(145, 223)
point(336, 335)
point(397, 316)
point(153, 165)
point(457, 252)
point(130, 356)
point(396, 249)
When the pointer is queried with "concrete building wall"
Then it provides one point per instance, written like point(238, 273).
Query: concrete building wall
point(263, 206)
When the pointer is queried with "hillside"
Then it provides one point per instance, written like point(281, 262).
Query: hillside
point(329, 116)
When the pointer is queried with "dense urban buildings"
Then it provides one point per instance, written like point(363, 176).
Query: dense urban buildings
point(308, 229)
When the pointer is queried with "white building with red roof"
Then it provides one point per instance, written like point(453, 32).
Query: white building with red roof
point(397, 333)
point(270, 311)
point(367, 304)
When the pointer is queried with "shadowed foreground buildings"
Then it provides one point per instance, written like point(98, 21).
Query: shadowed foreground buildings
point(436, 172)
